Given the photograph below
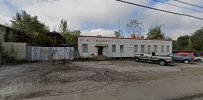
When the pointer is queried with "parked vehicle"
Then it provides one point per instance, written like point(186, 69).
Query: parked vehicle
point(184, 57)
point(198, 59)
point(195, 55)
point(162, 60)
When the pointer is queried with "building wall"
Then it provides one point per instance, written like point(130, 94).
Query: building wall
point(17, 50)
point(6, 34)
point(127, 43)
point(2, 33)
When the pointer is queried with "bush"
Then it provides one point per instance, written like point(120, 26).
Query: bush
point(96, 58)
point(85, 59)
point(8, 59)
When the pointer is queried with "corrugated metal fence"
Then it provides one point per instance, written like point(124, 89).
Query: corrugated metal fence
point(49, 53)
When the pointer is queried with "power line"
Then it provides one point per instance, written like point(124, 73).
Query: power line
point(188, 4)
point(177, 6)
point(166, 11)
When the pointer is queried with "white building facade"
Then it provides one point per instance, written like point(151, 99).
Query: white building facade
point(90, 46)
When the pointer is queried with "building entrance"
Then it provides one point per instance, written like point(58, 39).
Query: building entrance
point(100, 50)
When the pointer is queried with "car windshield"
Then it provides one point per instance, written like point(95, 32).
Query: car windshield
point(190, 55)
point(171, 54)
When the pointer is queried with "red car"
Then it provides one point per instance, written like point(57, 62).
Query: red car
point(194, 55)
point(185, 57)
point(186, 54)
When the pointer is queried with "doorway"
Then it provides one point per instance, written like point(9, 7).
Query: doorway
point(100, 50)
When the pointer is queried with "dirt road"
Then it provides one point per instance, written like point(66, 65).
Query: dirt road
point(34, 80)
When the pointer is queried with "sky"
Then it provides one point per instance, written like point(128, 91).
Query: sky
point(103, 17)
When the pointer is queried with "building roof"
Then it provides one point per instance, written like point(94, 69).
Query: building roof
point(54, 34)
point(120, 38)
point(57, 37)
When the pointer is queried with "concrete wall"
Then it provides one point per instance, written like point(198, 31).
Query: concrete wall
point(48, 53)
point(17, 50)
point(127, 43)
point(2, 33)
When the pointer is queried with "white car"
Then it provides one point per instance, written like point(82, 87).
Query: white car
point(198, 59)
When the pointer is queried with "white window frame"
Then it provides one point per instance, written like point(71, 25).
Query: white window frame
point(122, 48)
point(149, 48)
point(84, 48)
point(113, 48)
point(155, 48)
point(162, 49)
point(136, 48)
point(168, 49)
point(142, 48)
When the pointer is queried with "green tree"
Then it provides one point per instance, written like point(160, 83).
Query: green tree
point(27, 23)
point(31, 29)
point(133, 35)
point(118, 34)
point(183, 42)
point(175, 45)
point(155, 33)
point(134, 27)
point(63, 28)
point(197, 40)
point(72, 37)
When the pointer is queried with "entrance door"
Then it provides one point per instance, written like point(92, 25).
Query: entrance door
point(100, 50)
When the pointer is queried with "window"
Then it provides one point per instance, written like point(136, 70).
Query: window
point(149, 48)
point(182, 55)
point(135, 48)
point(168, 48)
point(155, 48)
point(113, 48)
point(121, 48)
point(142, 48)
point(162, 49)
point(84, 48)
point(190, 54)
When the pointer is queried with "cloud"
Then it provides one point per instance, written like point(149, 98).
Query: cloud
point(174, 25)
point(77, 12)
point(96, 17)
point(96, 32)
point(4, 14)
point(4, 20)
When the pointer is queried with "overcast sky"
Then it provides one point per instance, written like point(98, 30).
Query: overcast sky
point(102, 17)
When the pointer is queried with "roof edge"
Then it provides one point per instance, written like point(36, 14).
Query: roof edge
point(121, 38)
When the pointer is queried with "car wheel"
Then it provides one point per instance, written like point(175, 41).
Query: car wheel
point(137, 59)
point(162, 62)
point(199, 60)
point(186, 61)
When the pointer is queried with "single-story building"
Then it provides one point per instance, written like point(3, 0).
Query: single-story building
point(6, 34)
point(90, 46)
point(57, 38)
